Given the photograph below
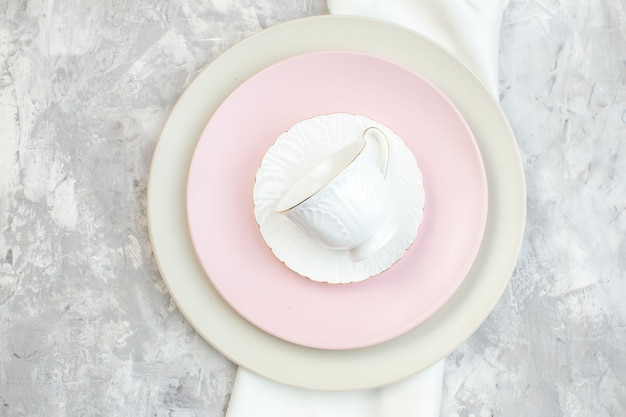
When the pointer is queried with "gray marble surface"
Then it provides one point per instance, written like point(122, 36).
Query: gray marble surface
point(87, 327)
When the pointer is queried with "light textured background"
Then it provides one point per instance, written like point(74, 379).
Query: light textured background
point(87, 327)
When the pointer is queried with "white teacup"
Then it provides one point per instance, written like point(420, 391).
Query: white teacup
point(343, 202)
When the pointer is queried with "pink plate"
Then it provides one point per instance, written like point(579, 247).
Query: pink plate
point(229, 244)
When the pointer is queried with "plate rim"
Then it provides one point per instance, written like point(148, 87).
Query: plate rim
point(367, 367)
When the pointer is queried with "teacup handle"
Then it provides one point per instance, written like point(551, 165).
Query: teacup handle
point(383, 147)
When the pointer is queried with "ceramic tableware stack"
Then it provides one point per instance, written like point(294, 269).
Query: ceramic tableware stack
point(321, 325)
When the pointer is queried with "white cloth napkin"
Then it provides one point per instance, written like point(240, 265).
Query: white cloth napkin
point(469, 29)
point(418, 395)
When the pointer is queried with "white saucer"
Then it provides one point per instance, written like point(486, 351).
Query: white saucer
point(294, 153)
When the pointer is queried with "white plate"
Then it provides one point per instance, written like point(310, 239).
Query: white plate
point(296, 365)
point(294, 152)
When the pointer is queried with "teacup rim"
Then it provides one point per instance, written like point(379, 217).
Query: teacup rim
point(282, 207)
